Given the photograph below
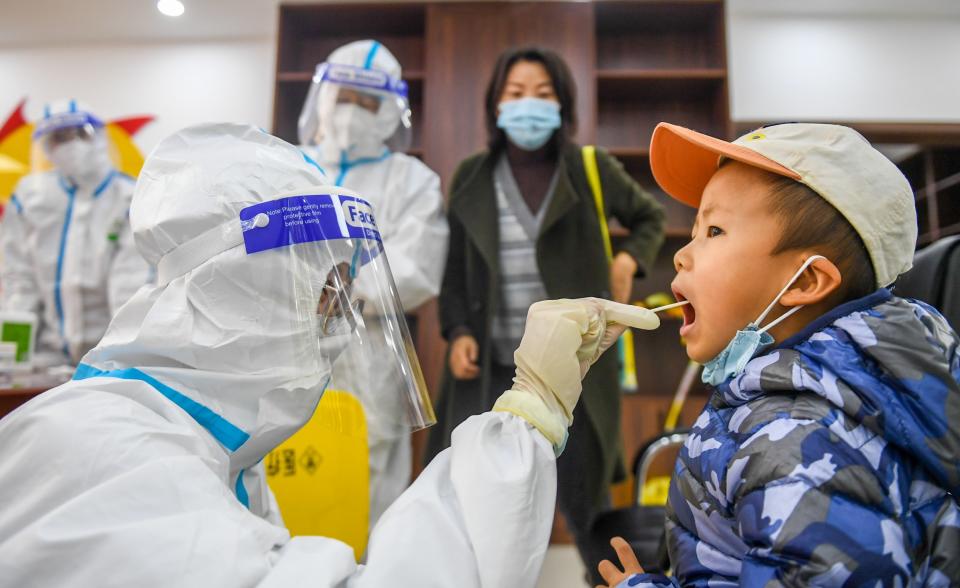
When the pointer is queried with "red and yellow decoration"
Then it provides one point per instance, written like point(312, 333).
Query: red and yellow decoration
point(16, 143)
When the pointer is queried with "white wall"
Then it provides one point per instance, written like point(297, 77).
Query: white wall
point(181, 83)
point(855, 60)
point(891, 65)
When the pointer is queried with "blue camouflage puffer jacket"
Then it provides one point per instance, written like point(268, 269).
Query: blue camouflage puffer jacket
point(833, 460)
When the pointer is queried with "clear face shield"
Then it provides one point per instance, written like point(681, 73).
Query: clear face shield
point(346, 312)
point(359, 110)
point(75, 144)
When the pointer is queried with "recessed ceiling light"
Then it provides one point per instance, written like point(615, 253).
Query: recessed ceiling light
point(170, 7)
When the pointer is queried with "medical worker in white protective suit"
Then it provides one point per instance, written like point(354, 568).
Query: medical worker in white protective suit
point(67, 252)
point(355, 122)
point(145, 470)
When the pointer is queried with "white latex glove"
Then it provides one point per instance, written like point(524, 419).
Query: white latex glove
point(562, 339)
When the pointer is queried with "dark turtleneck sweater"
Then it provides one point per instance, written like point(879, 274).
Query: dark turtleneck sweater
point(533, 171)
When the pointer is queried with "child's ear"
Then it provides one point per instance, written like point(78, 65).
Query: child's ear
point(815, 284)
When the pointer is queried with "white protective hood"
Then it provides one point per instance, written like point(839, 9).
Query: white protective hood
point(223, 334)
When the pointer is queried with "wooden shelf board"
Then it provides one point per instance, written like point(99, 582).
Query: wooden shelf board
point(294, 76)
point(662, 74)
point(883, 132)
point(948, 182)
point(353, 19)
point(931, 236)
point(949, 230)
point(659, 89)
point(655, 15)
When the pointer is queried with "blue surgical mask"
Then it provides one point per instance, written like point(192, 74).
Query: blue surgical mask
point(749, 340)
point(529, 122)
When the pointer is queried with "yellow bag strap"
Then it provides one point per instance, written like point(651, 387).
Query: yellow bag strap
point(593, 178)
point(628, 373)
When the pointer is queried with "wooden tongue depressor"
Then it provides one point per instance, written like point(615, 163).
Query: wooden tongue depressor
point(669, 306)
point(635, 316)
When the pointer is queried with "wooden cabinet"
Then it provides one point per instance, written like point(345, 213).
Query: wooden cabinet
point(934, 175)
point(658, 61)
point(635, 62)
point(463, 43)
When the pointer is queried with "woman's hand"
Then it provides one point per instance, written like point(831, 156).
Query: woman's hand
point(628, 561)
point(622, 270)
point(463, 358)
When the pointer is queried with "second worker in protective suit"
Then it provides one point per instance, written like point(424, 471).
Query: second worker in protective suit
point(355, 123)
point(68, 255)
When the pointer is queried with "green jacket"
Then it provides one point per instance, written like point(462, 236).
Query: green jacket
point(573, 264)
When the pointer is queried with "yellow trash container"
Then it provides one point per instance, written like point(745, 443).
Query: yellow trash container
point(321, 475)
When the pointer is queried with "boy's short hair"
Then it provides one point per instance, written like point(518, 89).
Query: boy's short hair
point(810, 222)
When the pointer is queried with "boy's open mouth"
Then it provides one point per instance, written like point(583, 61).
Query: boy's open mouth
point(689, 313)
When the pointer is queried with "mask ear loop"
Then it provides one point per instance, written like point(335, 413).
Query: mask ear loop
point(792, 311)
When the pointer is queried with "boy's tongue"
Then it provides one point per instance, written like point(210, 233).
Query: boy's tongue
point(689, 315)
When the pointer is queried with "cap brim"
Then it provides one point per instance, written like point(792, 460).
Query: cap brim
point(683, 161)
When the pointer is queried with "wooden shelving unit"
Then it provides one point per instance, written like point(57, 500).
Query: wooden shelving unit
point(934, 175)
point(658, 61)
point(636, 63)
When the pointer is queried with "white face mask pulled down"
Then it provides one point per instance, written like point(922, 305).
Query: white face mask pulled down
point(749, 340)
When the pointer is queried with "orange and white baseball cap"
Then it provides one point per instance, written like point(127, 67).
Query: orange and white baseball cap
point(834, 161)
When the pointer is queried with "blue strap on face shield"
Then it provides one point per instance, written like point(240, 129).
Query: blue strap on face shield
point(65, 120)
point(360, 78)
point(309, 218)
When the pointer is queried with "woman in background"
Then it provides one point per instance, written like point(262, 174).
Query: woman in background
point(524, 228)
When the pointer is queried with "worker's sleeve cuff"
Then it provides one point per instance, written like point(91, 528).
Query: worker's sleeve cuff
point(532, 409)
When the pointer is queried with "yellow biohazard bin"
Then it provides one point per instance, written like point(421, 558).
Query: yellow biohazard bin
point(321, 475)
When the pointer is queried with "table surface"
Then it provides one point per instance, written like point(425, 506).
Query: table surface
point(21, 391)
point(12, 398)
